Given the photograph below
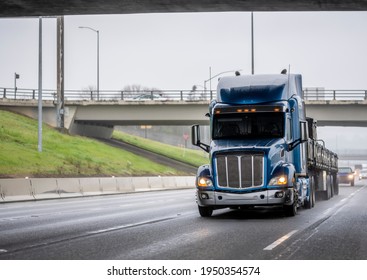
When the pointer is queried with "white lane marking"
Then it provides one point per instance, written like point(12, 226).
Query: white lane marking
point(3, 251)
point(280, 241)
point(338, 207)
point(134, 225)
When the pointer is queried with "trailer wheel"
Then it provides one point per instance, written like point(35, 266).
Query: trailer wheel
point(311, 199)
point(313, 187)
point(205, 211)
point(331, 186)
point(328, 187)
point(336, 184)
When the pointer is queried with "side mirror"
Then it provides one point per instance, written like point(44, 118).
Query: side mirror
point(304, 132)
point(303, 136)
point(195, 135)
point(195, 138)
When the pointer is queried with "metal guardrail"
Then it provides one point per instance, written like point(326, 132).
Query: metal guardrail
point(328, 95)
point(109, 95)
point(164, 95)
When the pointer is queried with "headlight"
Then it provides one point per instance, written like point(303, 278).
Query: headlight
point(351, 176)
point(204, 182)
point(281, 180)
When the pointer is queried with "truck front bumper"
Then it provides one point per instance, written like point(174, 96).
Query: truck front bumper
point(259, 198)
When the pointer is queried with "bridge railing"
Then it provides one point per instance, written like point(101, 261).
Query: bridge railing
point(327, 95)
point(24, 94)
point(163, 95)
point(109, 95)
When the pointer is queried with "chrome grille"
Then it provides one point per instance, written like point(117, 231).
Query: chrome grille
point(240, 170)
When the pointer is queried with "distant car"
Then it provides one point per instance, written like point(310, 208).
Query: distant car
point(346, 175)
point(148, 96)
point(363, 174)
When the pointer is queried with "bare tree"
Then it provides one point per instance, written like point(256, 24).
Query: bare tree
point(88, 93)
point(133, 90)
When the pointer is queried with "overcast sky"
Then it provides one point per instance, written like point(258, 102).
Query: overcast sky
point(175, 51)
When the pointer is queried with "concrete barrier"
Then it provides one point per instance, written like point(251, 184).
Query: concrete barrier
point(16, 189)
point(190, 181)
point(124, 184)
point(69, 187)
point(169, 182)
point(181, 182)
point(155, 183)
point(140, 184)
point(48, 188)
point(108, 185)
point(45, 188)
point(90, 186)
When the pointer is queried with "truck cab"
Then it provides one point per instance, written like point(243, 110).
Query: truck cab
point(258, 151)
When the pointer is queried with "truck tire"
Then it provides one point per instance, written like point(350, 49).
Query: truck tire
point(205, 211)
point(331, 186)
point(352, 183)
point(291, 210)
point(336, 184)
point(311, 200)
point(313, 185)
point(328, 187)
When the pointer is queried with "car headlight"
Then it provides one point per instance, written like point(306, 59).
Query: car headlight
point(281, 180)
point(350, 176)
point(204, 182)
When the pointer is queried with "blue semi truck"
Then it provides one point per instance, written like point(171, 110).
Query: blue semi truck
point(264, 151)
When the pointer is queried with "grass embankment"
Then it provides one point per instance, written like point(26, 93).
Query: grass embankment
point(189, 156)
point(63, 155)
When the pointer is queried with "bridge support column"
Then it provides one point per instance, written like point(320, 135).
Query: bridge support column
point(91, 130)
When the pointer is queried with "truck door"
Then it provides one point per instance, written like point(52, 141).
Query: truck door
point(289, 138)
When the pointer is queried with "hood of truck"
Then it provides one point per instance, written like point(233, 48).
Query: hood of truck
point(248, 144)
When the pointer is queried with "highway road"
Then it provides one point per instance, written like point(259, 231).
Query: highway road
point(165, 225)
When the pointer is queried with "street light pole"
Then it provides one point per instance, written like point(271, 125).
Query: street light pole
point(97, 31)
point(252, 45)
point(97, 64)
point(16, 76)
point(40, 85)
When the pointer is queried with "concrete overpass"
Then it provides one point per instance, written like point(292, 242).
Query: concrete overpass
point(16, 8)
point(338, 113)
point(97, 118)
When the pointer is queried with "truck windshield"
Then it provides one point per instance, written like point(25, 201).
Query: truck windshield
point(248, 125)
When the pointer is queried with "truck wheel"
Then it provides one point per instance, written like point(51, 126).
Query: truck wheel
point(313, 185)
point(308, 203)
point(311, 200)
point(331, 186)
point(336, 185)
point(328, 185)
point(291, 210)
point(352, 183)
point(205, 211)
